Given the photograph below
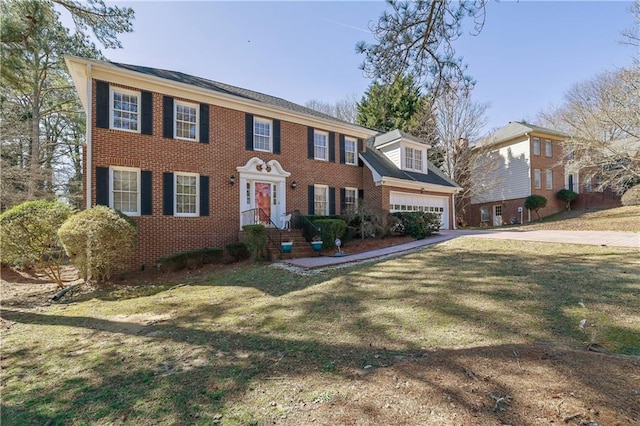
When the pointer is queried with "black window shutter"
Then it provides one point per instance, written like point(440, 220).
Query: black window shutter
point(146, 104)
point(311, 203)
point(204, 195)
point(310, 150)
point(343, 204)
point(102, 186)
point(204, 123)
point(360, 149)
point(102, 104)
point(332, 147)
point(147, 192)
point(332, 200)
point(361, 194)
point(167, 193)
point(167, 117)
point(276, 136)
point(342, 150)
point(248, 132)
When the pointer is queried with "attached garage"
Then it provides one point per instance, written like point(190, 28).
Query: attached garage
point(404, 202)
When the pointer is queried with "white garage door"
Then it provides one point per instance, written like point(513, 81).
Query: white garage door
point(402, 202)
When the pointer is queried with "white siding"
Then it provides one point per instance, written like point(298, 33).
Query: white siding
point(393, 153)
point(507, 177)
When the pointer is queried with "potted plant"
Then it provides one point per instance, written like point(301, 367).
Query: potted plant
point(316, 244)
point(287, 246)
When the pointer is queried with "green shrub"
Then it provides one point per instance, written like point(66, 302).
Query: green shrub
point(330, 230)
point(256, 240)
point(98, 241)
point(631, 197)
point(238, 251)
point(535, 203)
point(418, 225)
point(191, 259)
point(567, 196)
point(29, 236)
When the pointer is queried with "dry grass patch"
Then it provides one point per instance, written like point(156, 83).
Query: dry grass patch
point(419, 338)
point(621, 219)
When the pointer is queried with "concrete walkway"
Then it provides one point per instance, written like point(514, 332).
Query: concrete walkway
point(599, 238)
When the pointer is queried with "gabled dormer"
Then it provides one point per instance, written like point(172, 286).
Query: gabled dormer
point(403, 150)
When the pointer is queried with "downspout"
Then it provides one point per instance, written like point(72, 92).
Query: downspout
point(88, 163)
point(453, 208)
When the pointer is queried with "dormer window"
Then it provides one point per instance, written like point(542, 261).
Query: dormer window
point(413, 159)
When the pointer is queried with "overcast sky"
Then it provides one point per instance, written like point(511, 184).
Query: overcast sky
point(528, 54)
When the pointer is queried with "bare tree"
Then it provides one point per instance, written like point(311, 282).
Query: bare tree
point(344, 109)
point(416, 37)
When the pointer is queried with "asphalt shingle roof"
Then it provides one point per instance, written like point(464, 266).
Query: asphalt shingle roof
point(385, 167)
point(515, 129)
point(227, 89)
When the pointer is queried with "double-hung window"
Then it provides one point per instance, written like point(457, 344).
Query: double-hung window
point(350, 151)
point(320, 145)
point(536, 179)
point(413, 159)
point(262, 136)
point(547, 148)
point(536, 146)
point(484, 213)
point(321, 200)
point(186, 196)
point(125, 109)
point(125, 190)
point(186, 116)
point(350, 200)
point(588, 185)
point(549, 180)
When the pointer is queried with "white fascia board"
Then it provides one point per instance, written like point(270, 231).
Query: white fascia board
point(402, 183)
point(114, 74)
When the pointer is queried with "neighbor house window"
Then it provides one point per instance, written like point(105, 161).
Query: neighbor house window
point(547, 148)
point(549, 180)
point(484, 213)
point(413, 159)
point(350, 151)
point(186, 194)
point(320, 145)
point(262, 136)
point(321, 200)
point(125, 109)
point(536, 146)
point(598, 183)
point(350, 200)
point(536, 179)
point(186, 116)
point(588, 186)
point(125, 190)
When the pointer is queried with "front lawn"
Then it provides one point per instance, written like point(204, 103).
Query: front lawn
point(436, 336)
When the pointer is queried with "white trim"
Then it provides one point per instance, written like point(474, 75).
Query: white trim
point(539, 178)
point(137, 94)
point(88, 135)
point(415, 151)
point(138, 189)
point(349, 188)
point(175, 194)
point(257, 170)
point(270, 123)
point(175, 120)
point(326, 199)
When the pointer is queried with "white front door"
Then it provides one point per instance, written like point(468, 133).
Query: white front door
point(497, 215)
point(262, 192)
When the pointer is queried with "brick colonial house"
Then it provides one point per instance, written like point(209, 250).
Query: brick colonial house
point(188, 158)
point(524, 160)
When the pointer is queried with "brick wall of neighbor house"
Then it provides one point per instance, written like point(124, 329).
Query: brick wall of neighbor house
point(556, 165)
point(161, 235)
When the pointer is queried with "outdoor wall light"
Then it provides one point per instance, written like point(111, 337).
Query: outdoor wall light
point(294, 185)
point(232, 180)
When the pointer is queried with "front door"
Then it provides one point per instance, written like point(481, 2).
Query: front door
point(497, 215)
point(263, 201)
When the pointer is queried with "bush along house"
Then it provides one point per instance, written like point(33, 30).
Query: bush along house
point(193, 160)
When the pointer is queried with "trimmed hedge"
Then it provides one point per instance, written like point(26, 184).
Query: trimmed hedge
point(191, 259)
point(418, 225)
point(256, 240)
point(631, 197)
point(330, 230)
point(238, 251)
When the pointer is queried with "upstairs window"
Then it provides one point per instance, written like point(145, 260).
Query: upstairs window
point(547, 148)
point(536, 146)
point(350, 151)
point(125, 110)
point(320, 145)
point(413, 159)
point(262, 135)
point(125, 190)
point(186, 116)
